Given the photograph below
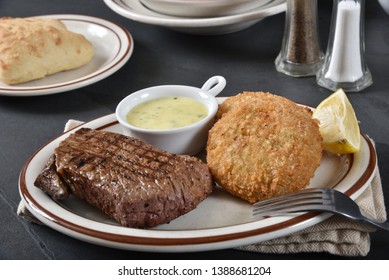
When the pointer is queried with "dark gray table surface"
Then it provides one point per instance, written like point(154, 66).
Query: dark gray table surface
point(162, 56)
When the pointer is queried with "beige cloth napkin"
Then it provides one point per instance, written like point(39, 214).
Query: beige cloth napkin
point(336, 235)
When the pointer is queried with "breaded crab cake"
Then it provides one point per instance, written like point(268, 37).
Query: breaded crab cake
point(263, 146)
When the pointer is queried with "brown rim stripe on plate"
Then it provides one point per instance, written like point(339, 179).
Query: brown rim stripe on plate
point(369, 169)
point(138, 240)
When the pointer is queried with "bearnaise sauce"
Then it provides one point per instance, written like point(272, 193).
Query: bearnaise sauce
point(167, 113)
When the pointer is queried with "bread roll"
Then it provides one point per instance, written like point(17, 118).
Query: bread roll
point(32, 48)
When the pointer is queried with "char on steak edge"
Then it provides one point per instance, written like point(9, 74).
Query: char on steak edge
point(135, 183)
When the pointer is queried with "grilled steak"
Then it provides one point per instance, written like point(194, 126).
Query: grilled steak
point(133, 182)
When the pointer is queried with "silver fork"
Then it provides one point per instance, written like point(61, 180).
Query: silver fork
point(316, 199)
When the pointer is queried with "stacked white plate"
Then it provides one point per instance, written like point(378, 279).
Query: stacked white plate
point(207, 17)
point(202, 8)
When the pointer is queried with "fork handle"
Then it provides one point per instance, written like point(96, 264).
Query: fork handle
point(384, 225)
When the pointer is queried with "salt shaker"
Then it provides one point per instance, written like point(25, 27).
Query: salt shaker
point(300, 53)
point(344, 63)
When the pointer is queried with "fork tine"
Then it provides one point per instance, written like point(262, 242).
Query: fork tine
point(287, 207)
point(310, 199)
point(304, 193)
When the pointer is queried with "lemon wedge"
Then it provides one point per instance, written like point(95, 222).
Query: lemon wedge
point(338, 124)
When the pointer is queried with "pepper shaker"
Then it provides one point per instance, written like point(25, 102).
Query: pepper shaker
point(344, 64)
point(300, 53)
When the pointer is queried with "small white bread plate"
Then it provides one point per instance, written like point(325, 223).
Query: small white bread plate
point(220, 221)
point(135, 10)
point(113, 46)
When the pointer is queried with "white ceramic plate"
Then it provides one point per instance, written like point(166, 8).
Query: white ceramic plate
point(113, 46)
point(134, 10)
point(221, 221)
point(201, 8)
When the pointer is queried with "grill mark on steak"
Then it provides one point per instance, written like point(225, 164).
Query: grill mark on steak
point(133, 157)
point(133, 182)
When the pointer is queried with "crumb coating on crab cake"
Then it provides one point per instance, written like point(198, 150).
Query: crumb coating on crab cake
point(263, 146)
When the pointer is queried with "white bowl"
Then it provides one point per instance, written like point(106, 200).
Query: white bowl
point(202, 8)
point(189, 139)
